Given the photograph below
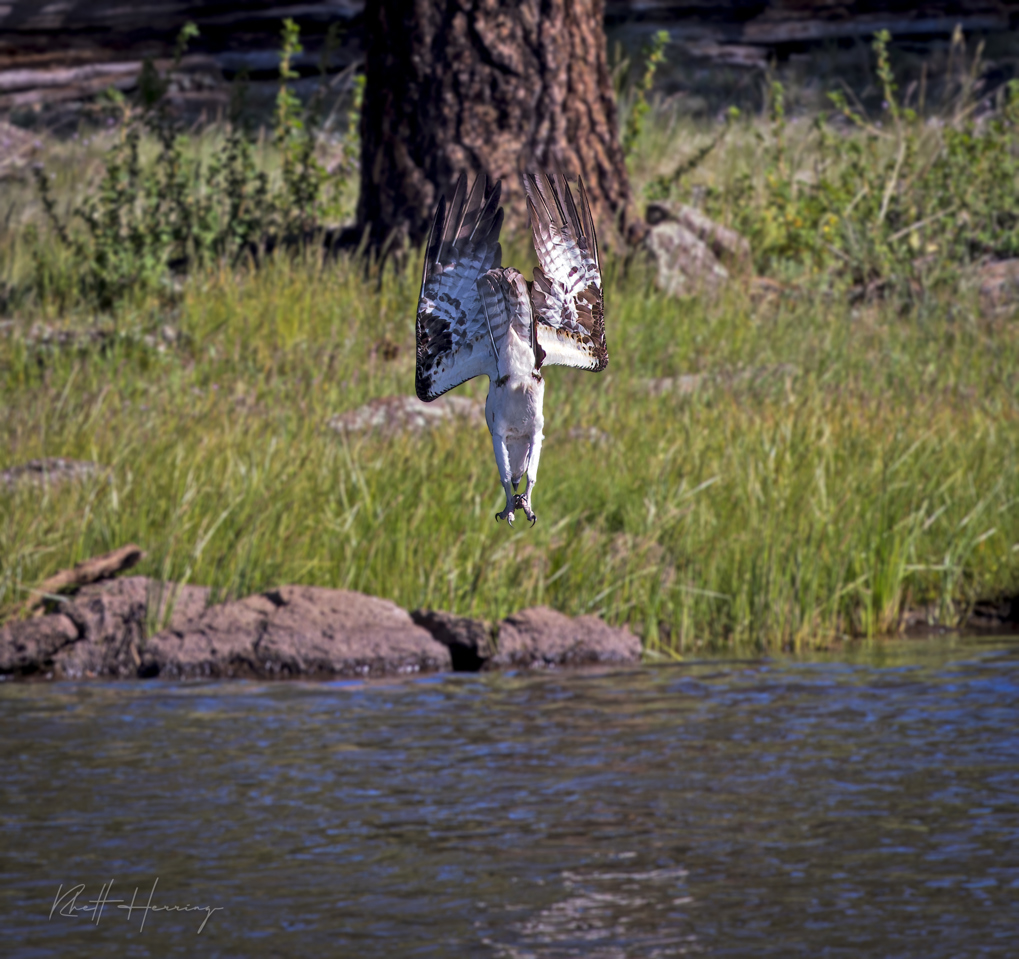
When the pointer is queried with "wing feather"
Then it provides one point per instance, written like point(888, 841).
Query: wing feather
point(453, 344)
point(569, 310)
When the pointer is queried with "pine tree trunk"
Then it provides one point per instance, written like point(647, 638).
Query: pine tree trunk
point(485, 86)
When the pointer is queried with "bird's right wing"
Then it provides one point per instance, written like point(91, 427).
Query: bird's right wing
point(453, 339)
point(569, 310)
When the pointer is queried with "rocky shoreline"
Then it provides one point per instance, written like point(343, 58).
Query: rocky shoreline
point(136, 627)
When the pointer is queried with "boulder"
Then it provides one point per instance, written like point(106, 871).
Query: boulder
point(290, 632)
point(29, 647)
point(732, 249)
point(543, 638)
point(589, 434)
point(49, 471)
point(99, 631)
point(685, 263)
point(113, 618)
point(390, 415)
point(999, 285)
point(686, 384)
point(469, 641)
point(295, 631)
point(16, 149)
point(693, 253)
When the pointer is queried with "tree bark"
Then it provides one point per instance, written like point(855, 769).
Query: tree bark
point(494, 87)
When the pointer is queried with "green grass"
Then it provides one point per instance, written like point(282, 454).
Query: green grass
point(775, 508)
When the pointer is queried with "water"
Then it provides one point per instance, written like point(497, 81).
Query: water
point(862, 806)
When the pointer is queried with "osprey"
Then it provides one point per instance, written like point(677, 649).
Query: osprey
point(477, 317)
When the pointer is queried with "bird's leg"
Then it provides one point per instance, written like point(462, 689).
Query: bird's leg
point(502, 460)
point(523, 500)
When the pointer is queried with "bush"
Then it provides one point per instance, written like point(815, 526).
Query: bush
point(147, 219)
point(895, 200)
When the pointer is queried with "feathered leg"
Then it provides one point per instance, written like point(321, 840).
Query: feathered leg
point(502, 460)
point(523, 500)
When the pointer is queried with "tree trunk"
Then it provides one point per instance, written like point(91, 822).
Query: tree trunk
point(494, 87)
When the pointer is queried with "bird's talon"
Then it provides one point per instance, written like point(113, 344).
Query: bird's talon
point(519, 502)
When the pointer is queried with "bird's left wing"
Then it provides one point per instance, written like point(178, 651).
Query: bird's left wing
point(453, 340)
point(567, 291)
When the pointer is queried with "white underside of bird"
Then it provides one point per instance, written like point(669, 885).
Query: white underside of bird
point(476, 317)
point(513, 411)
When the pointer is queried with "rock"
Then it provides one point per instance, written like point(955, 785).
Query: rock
point(30, 646)
point(731, 248)
point(399, 414)
point(50, 471)
point(16, 148)
point(685, 263)
point(687, 384)
point(469, 640)
point(113, 618)
point(292, 631)
point(693, 252)
point(999, 285)
point(589, 434)
point(98, 632)
point(541, 637)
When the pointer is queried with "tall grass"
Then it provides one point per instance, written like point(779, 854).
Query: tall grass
point(835, 466)
point(842, 458)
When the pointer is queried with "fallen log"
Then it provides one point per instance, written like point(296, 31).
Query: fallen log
point(87, 571)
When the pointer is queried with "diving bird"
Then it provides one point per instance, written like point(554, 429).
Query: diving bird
point(477, 317)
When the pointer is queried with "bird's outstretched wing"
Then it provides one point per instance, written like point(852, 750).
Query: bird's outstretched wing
point(453, 340)
point(567, 290)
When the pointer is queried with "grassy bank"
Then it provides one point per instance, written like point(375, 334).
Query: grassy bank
point(836, 463)
point(840, 457)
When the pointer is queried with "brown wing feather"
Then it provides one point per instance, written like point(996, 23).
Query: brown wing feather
point(463, 245)
point(567, 290)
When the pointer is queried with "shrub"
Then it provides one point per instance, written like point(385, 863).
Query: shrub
point(894, 200)
point(149, 218)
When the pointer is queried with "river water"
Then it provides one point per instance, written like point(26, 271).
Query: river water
point(857, 805)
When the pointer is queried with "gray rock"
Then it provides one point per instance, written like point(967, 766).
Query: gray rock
point(589, 434)
point(730, 248)
point(16, 148)
point(296, 631)
point(683, 385)
point(49, 471)
point(999, 286)
point(693, 253)
point(541, 638)
point(469, 641)
point(687, 384)
point(729, 54)
point(685, 263)
point(390, 415)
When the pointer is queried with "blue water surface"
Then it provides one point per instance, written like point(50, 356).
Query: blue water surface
point(865, 804)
